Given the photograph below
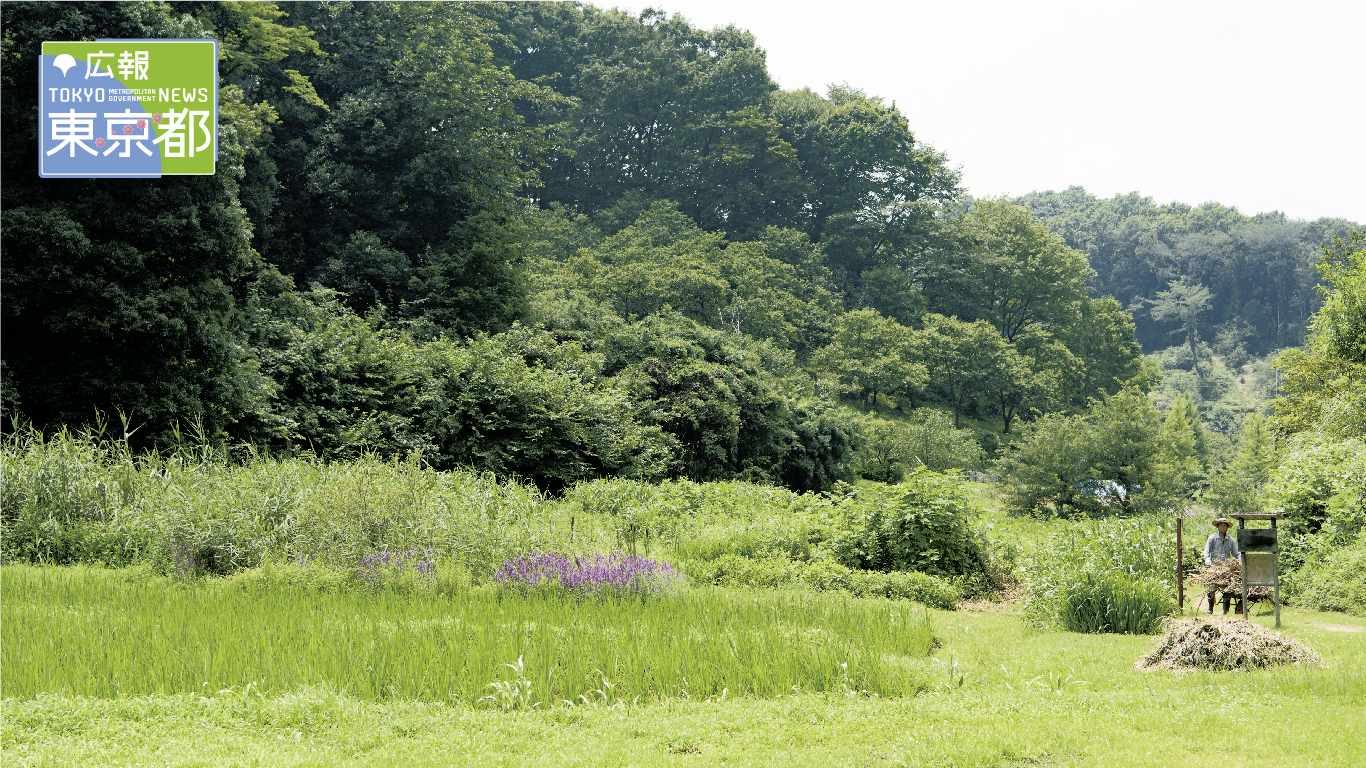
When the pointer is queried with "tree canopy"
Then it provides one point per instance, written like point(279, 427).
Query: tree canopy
point(560, 243)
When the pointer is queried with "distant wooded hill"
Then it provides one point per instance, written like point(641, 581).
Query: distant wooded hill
point(1259, 269)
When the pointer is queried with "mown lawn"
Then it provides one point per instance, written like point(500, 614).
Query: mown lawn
point(1000, 695)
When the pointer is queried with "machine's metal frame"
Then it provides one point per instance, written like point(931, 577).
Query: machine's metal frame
point(1261, 541)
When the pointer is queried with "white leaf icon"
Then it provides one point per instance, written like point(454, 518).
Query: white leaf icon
point(64, 62)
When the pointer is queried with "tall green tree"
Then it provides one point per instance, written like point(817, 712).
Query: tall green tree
point(1028, 378)
point(871, 355)
point(119, 295)
point(876, 194)
point(1238, 486)
point(1018, 273)
point(859, 155)
point(1182, 451)
point(1102, 337)
point(663, 259)
point(671, 111)
point(1126, 448)
point(1324, 384)
point(971, 368)
point(659, 107)
point(1185, 302)
point(1064, 464)
point(734, 407)
point(398, 183)
point(1048, 466)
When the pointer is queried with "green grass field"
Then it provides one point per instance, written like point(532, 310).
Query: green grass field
point(90, 632)
point(993, 693)
point(271, 649)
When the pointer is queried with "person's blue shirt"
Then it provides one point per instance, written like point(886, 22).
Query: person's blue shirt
point(1220, 546)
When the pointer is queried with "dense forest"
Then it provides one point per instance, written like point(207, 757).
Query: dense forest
point(561, 243)
point(1258, 270)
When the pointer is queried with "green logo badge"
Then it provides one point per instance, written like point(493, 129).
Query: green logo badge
point(128, 108)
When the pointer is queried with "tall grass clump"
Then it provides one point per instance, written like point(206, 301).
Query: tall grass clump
point(697, 521)
point(95, 632)
point(70, 498)
point(1102, 576)
point(196, 511)
point(1114, 602)
point(61, 497)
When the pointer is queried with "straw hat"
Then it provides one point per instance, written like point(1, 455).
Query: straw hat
point(1223, 520)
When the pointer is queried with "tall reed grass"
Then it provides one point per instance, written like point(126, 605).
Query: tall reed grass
point(77, 498)
point(1115, 575)
point(100, 633)
point(1114, 602)
point(74, 499)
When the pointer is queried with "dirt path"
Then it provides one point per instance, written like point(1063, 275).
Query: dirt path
point(1339, 627)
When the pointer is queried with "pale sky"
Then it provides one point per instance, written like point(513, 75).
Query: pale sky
point(1259, 105)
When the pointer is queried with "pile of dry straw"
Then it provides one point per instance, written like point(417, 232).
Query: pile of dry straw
point(1227, 576)
point(1230, 644)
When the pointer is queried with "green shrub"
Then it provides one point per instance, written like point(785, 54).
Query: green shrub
point(1333, 580)
point(1113, 602)
point(906, 585)
point(927, 438)
point(1054, 465)
point(924, 524)
point(737, 571)
point(1321, 482)
point(289, 578)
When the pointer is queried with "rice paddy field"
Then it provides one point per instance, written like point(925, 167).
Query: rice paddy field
point(100, 668)
point(89, 632)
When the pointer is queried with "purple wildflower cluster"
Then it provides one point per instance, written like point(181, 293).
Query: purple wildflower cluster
point(586, 575)
point(378, 565)
point(183, 560)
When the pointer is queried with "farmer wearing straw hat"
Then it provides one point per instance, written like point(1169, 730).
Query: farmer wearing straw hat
point(1219, 546)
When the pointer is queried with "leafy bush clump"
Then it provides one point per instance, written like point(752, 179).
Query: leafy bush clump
point(585, 575)
point(1320, 487)
point(1113, 602)
point(288, 577)
point(922, 588)
point(1336, 581)
point(926, 439)
point(924, 524)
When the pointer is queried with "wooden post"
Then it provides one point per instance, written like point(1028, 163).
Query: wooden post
point(1180, 575)
point(1276, 590)
point(1242, 561)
